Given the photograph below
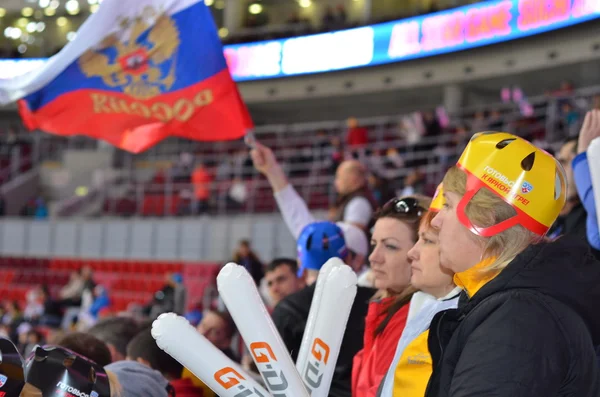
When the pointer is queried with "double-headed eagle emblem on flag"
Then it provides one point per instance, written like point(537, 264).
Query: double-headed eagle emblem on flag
point(143, 65)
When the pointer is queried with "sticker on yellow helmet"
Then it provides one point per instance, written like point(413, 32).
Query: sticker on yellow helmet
point(524, 176)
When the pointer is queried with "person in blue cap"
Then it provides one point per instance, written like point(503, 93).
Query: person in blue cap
point(318, 242)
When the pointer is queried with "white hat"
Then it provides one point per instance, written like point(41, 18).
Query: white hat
point(355, 237)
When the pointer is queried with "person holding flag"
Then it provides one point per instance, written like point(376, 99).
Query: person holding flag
point(136, 73)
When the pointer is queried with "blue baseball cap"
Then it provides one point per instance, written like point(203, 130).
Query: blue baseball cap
point(319, 242)
point(178, 278)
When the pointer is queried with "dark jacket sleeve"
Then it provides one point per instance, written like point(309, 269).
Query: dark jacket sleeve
point(518, 350)
point(290, 325)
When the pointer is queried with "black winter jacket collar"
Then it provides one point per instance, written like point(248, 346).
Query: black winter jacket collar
point(528, 332)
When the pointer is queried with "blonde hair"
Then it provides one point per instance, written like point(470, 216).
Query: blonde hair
point(486, 209)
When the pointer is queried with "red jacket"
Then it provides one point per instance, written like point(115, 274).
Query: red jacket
point(373, 361)
point(185, 388)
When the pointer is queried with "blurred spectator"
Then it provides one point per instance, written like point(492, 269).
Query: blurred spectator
point(70, 294)
point(5, 331)
point(35, 305)
point(78, 304)
point(282, 279)
point(144, 350)
point(202, 181)
point(87, 275)
point(432, 125)
point(566, 89)
point(337, 153)
point(52, 312)
point(479, 123)
point(86, 345)
point(12, 315)
point(28, 338)
point(2, 206)
point(569, 123)
point(355, 203)
point(358, 251)
point(90, 313)
point(238, 193)
point(244, 256)
point(139, 380)
point(572, 217)
point(41, 209)
point(116, 332)
point(29, 209)
point(413, 184)
point(582, 177)
point(318, 243)
point(182, 170)
point(357, 137)
point(171, 298)
point(381, 189)
point(329, 19)
point(386, 166)
point(495, 122)
point(219, 329)
point(342, 17)
point(321, 148)
point(194, 316)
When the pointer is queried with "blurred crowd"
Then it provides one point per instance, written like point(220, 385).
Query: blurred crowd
point(522, 277)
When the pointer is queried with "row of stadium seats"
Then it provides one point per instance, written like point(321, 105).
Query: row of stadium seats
point(128, 281)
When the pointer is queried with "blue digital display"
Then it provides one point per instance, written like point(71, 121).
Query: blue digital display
point(443, 32)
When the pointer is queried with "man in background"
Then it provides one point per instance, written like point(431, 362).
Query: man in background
point(116, 332)
point(282, 279)
point(143, 349)
point(318, 243)
point(573, 217)
point(355, 203)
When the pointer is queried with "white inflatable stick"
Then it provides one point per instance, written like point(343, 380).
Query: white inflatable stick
point(305, 347)
point(180, 340)
point(332, 312)
point(238, 291)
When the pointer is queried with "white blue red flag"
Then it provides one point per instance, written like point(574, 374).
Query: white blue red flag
point(137, 72)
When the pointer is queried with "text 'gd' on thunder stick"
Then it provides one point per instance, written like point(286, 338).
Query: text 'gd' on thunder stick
point(330, 310)
point(244, 303)
point(178, 338)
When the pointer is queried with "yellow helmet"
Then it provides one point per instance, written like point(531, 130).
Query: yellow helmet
point(526, 177)
point(438, 199)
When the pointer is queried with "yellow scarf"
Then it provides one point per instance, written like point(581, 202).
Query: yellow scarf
point(473, 279)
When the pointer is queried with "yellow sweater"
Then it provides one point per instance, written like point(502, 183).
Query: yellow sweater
point(415, 366)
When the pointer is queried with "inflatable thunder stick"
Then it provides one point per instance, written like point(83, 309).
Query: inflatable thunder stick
point(238, 291)
point(330, 311)
point(180, 340)
point(314, 309)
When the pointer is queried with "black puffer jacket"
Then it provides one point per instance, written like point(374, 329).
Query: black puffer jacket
point(531, 331)
point(290, 317)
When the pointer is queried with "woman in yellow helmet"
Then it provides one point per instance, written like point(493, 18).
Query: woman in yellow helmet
point(529, 318)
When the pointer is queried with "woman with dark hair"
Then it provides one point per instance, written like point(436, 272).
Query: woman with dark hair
point(395, 233)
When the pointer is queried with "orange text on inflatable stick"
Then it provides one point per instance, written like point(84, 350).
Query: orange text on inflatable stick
point(229, 377)
point(262, 351)
point(269, 368)
point(316, 364)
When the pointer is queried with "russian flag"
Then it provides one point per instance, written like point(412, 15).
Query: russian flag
point(137, 72)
